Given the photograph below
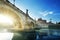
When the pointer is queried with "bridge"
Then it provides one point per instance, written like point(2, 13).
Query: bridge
point(13, 18)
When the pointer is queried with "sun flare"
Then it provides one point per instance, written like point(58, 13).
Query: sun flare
point(5, 19)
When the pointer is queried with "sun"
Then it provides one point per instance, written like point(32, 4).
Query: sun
point(5, 19)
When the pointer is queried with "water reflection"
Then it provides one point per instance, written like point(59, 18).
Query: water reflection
point(6, 36)
point(30, 35)
point(25, 35)
point(37, 36)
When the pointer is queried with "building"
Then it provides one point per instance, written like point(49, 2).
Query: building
point(42, 23)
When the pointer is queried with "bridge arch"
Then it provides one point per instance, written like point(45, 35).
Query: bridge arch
point(6, 10)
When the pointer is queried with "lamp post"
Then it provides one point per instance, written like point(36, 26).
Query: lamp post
point(14, 2)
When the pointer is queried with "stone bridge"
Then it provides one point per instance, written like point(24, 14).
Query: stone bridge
point(13, 18)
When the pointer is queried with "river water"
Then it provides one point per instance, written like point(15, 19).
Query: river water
point(6, 36)
point(27, 36)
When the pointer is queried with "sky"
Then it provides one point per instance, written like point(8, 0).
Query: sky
point(45, 9)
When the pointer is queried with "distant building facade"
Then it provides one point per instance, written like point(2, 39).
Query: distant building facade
point(42, 23)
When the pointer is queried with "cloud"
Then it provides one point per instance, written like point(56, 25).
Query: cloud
point(45, 13)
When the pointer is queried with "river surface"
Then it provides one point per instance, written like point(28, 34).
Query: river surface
point(27, 36)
